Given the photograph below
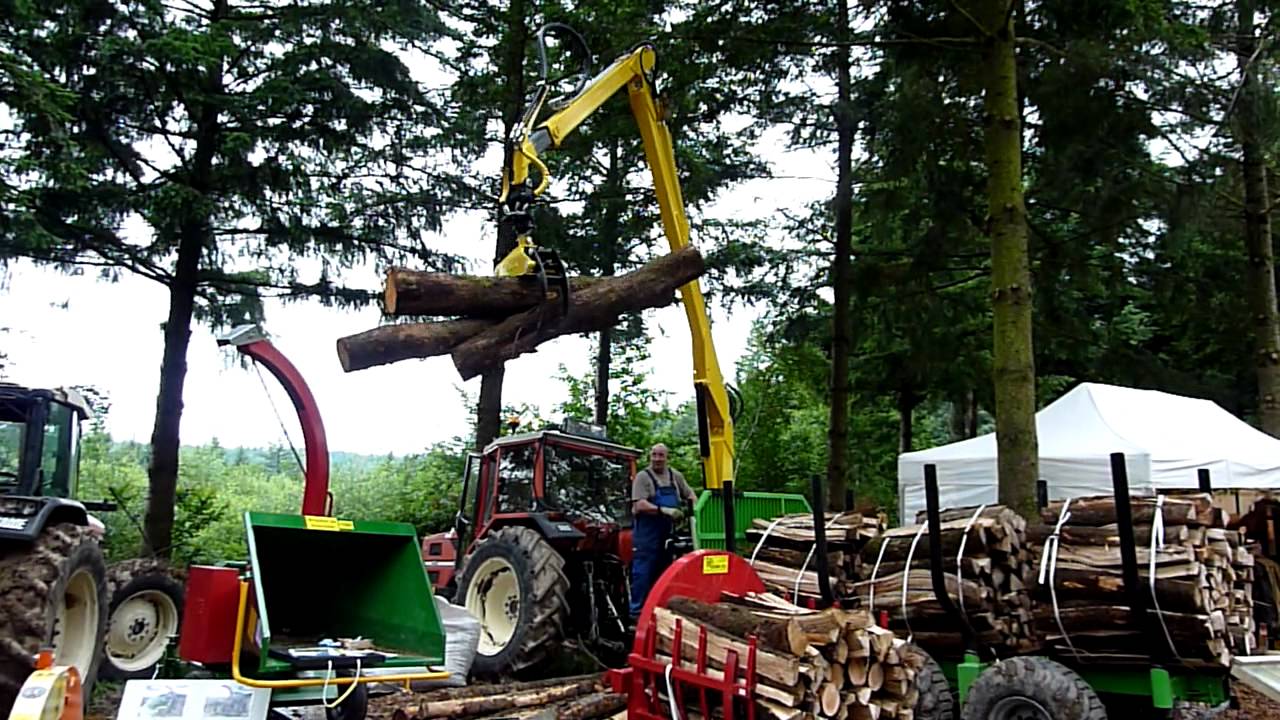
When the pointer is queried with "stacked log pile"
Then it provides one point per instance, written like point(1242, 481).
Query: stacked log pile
point(988, 581)
point(831, 663)
point(583, 697)
point(1199, 586)
point(782, 551)
point(1241, 625)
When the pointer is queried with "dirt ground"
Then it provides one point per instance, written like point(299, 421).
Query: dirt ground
point(1253, 706)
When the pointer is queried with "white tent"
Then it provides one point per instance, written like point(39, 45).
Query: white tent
point(1166, 439)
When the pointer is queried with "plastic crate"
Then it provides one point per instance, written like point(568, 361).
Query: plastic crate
point(708, 515)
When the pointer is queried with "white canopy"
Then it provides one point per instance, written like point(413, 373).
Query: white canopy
point(1166, 439)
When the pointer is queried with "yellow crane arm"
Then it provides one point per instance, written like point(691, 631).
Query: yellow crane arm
point(632, 72)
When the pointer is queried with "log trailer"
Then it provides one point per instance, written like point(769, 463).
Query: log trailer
point(1039, 687)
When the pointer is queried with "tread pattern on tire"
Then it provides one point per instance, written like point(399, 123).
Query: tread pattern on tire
point(28, 577)
point(936, 701)
point(119, 576)
point(547, 610)
point(1059, 689)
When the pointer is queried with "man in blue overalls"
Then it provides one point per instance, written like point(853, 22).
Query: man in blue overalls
point(657, 494)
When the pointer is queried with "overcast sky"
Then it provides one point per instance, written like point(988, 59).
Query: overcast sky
point(66, 330)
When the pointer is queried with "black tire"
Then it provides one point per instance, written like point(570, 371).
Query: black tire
point(1031, 687)
point(936, 701)
point(536, 625)
point(133, 651)
point(34, 579)
point(355, 707)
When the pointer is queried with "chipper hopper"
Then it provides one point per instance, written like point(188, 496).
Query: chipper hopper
point(320, 602)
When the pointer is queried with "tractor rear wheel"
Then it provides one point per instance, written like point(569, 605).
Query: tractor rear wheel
point(514, 584)
point(145, 611)
point(52, 595)
point(1032, 688)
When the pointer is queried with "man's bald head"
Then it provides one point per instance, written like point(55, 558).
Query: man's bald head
point(658, 457)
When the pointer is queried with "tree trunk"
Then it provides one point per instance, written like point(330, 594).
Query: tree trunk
point(1013, 359)
point(489, 405)
point(783, 635)
point(838, 434)
point(1260, 281)
point(162, 473)
point(907, 402)
point(964, 416)
point(609, 239)
point(393, 343)
point(193, 235)
point(414, 292)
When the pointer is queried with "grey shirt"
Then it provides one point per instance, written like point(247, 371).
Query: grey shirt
point(646, 482)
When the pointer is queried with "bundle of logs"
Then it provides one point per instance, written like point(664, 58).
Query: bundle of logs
point(1202, 610)
point(582, 697)
point(987, 569)
point(783, 551)
point(829, 663)
point(485, 321)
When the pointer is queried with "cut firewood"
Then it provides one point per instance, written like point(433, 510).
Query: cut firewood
point(500, 699)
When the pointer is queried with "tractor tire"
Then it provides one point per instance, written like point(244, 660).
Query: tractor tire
point(514, 584)
point(52, 595)
point(145, 610)
point(1031, 688)
point(936, 701)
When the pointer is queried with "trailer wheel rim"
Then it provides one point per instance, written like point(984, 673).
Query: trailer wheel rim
point(75, 624)
point(493, 597)
point(1019, 708)
point(140, 629)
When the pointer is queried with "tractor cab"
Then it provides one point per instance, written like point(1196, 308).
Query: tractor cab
point(39, 457)
point(570, 483)
point(541, 545)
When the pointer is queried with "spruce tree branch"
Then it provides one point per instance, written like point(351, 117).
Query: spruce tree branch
point(982, 30)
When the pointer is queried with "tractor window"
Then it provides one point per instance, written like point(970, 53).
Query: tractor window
point(515, 479)
point(12, 438)
point(58, 457)
point(587, 486)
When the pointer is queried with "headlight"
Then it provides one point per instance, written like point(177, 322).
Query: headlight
point(20, 507)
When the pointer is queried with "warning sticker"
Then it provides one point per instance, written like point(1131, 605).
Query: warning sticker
point(715, 565)
point(320, 522)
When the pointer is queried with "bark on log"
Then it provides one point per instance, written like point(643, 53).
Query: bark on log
point(1103, 535)
point(461, 707)
point(1102, 510)
point(485, 338)
point(393, 343)
point(595, 308)
point(413, 292)
point(781, 635)
point(587, 707)
point(469, 691)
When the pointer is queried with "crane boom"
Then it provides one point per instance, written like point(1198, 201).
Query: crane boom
point(632, 71)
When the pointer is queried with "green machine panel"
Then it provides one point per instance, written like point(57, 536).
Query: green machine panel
point(708, 515)
point(318, 578)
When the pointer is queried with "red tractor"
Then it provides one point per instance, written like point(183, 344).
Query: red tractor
point(544, 536)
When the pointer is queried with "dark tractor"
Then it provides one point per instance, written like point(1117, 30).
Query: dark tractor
point(56, 590)
point(541, 547)
point(53, 584)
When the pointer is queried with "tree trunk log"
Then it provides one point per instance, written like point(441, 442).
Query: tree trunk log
point(594, 308)
point(782, 635)
point(1102, 510)
point(393, 343)
point(413, 292)
point(587, 707)
point(501, 699)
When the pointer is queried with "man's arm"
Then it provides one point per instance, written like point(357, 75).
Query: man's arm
point(641, 490)
point(685, 490)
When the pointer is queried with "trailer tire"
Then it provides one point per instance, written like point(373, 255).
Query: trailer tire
point(1035, 688)
point(146, 608)
point(525, 620)
point(54, 588)
point(936, 701)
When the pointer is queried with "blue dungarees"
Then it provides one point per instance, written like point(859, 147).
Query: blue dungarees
point(649, 535)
